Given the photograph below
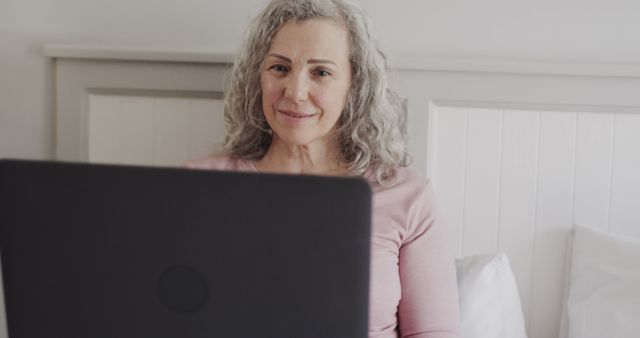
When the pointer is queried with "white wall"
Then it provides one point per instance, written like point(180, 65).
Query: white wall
point(595, 31)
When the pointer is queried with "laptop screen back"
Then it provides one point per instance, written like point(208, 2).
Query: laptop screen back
point(116, 251)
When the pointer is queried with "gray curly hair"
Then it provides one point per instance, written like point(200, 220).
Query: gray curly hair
point(371, 129)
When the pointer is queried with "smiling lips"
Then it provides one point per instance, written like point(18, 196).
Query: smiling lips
point(295, 115)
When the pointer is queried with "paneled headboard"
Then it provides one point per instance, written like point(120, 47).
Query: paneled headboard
point(520, 152)
point(517, 152)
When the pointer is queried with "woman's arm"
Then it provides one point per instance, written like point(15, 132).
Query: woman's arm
point(429, 305)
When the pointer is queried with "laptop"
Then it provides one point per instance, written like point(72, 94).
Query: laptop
point(120, 251)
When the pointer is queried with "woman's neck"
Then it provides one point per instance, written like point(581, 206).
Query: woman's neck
point(313, 159)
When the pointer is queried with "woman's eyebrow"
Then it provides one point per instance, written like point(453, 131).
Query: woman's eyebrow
point(313, 61)
point(278, 56)
point(321, 61)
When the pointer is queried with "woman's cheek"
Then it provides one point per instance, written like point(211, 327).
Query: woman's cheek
point(271, 90)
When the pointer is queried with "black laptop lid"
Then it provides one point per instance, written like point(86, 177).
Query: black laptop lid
point(116, 251)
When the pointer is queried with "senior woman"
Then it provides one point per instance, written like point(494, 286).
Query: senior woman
point(309, 95)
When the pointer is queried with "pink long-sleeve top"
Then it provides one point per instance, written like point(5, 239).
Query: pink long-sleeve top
point(413, 279)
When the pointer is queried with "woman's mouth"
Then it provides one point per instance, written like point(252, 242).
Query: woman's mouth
point(295, 115)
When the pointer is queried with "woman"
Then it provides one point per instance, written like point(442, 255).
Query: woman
point(309, 95)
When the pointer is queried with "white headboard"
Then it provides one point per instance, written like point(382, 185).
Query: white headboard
point(518, 152)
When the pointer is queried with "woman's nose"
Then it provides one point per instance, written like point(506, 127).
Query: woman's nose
point(297, 87)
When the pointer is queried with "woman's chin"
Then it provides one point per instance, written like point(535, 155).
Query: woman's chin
point(296, 140)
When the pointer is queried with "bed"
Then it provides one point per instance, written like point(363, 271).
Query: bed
point(520, 153)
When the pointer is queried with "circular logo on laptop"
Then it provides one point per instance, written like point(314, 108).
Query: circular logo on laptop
point(183, 289)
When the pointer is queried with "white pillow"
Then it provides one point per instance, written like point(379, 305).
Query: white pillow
point(603, 287)
point(489, 300)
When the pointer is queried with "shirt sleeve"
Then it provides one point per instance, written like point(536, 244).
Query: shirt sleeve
point(429, 305)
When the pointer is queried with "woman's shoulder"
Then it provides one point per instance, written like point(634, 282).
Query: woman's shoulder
point(410, 190)
point(405, 181)
point(409, 175)
point(411, 202)
point(220, 162)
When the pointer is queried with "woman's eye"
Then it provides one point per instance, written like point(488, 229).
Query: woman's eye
point(278, 68)
point(322, 73)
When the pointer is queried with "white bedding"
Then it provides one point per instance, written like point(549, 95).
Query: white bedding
point(489, 302)
point(603, 287)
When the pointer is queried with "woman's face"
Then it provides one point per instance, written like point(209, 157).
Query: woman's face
point(305, 79)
